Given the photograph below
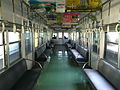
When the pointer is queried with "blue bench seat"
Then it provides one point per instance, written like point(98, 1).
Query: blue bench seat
point(78, 57)
point(98, 81)
point(68, 45)
point(18, 77)
point(106, 77)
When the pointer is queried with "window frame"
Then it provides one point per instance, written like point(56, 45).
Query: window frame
point(3, 44)
point(97, 37)
point(31, 41)
point(19, 42)
point(105, 51)
point(60, 34)
point(67, 34)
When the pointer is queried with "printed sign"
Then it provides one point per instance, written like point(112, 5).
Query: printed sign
point(60, 6)
point(70, 18)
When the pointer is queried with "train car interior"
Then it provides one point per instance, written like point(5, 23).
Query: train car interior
point(59, 45)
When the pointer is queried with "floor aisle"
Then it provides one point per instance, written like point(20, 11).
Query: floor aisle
point(62, 73)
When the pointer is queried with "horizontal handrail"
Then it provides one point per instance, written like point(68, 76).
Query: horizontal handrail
point(35, 62)
point(84, 65)
point(45, 55)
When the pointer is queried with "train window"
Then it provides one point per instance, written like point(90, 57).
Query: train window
point(41, 34)
point(1, 57)
point(84, 40)
point(60, 34)
point(44, 37)
point(95, 42)
point(111, 47)
point(1, 42)
point(72, 36)
point(66, 35)
point(55, 34)
point(14, 46)
point(13, 37)
point(36, 39)
point(78, 37)
point(80, 41)
point(74, 33)
point(28, 42)
point(41, 38)
point(1, 52)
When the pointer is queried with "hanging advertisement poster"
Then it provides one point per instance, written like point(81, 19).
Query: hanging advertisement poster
point(51, 19)
point(70, 18)
point(72, 4)
point(48, 5)
point(43, 1)
point(60, 6)
point(95, 3)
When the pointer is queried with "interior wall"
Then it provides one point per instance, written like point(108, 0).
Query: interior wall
point(111, 12)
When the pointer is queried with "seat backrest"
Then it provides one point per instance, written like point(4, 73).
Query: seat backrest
point(73, 44)
point(39, 51)
point(69, 41)
point(83, 51)
point(11, 75)
point(111, 73)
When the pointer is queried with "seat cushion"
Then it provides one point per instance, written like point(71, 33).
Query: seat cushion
point(10, 76)
point(28, 80)
point(80, 58)
point(111, 73)
point(68, 45)
point(83, 51)
point(39, 51)
point(77, 55)
point(99, 82)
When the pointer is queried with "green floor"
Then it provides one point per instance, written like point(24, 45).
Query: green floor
point(62, 73)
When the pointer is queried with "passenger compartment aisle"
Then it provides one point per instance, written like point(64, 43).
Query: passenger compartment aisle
point(62, 73)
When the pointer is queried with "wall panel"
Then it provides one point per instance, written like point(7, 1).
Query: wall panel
point(7, 10)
